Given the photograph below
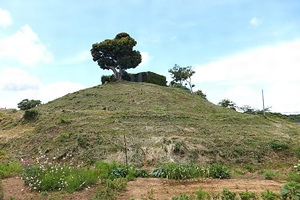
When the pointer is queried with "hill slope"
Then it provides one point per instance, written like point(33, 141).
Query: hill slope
point(161, 124)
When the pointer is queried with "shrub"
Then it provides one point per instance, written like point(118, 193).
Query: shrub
point(218, 171)
point(269, 195)
point(228, 195)
point(247, 195)
point(201, 94)
point(30, 115)
point(291, 190)
point(141, 173)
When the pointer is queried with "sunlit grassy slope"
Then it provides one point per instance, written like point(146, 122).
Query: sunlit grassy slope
point(161, 125)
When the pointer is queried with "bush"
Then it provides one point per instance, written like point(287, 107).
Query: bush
point(247, 195)
point(269, 195)
point(228, 195)
point(30, 115)
point(147, 77)
point(218, 171)
point(291, 190)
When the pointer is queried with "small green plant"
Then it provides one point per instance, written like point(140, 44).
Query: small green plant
point(109, 189)
point(269, 195)
point(291, 190)
point(279, 146)
point(228, 195)
point(247, 195)
point(141, 173)
point(202, 195)
point(269, 175)
point(184, 197)
point(148, 196)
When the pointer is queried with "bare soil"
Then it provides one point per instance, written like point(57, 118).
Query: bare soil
point(159, 189)
point(164, 189)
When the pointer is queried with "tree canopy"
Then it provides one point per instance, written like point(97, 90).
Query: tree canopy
point(181, 75)
point(26, 104)
point(116, 54)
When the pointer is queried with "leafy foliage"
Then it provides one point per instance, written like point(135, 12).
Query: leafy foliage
point(26, 104)
point(226, 103)
point(247, 195)
point(188, 171)
point(201, 94)
point(116, 54)
point(218, 171)
point(291, 190)
point(269, 195)
point(228, 195)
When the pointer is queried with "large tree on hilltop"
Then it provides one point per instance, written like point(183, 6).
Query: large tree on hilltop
point(117, 54)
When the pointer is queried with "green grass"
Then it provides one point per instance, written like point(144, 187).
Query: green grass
point(160, 123)
point(9, 169)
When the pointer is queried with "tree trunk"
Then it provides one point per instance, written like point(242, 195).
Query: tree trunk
point(116, 74)
point(120, 73)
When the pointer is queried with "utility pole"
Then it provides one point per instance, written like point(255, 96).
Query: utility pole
point(263, 100)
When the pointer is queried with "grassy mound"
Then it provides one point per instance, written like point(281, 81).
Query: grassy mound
point(161, 125)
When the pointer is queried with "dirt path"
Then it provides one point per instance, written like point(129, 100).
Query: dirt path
point(164, 190)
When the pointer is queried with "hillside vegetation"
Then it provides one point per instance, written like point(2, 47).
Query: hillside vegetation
point(161, 125)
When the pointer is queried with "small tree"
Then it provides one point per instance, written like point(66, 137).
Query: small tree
point(182, 75)
point(26, 104)
point(200, 93)
point(116, 54)
point(226, 103)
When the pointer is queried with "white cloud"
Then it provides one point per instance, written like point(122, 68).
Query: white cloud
point(80, 57)
point(146, 58)
point(25, 47)
point(14, 79)
point(5, 18)
point(242, 76)
point(255, 21)
point(17, 84)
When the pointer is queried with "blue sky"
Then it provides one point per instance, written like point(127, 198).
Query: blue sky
point(237, 48)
